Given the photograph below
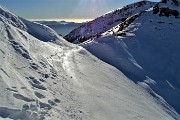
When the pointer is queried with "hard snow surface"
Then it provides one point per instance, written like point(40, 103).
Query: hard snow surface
point(43, 80)
point(146, 51)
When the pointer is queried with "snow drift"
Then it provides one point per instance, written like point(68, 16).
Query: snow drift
point(145, 47)
point(44, 77)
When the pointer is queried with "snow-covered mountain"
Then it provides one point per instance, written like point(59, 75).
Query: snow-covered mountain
point(44, 77)
point(145, 47)
point(106, 22)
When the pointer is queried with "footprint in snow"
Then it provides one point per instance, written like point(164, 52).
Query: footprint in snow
point(39, 95)
point(21, 97)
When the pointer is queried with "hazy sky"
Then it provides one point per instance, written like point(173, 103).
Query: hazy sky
point(49, 9)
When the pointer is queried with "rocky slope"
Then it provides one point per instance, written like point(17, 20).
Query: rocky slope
point(106, 22)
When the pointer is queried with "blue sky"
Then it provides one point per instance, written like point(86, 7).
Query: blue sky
point(63, 9)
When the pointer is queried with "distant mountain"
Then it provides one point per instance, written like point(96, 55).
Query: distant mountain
point(145, 47)
point(106, 22)
point(43, 77)
point(55, 22)
point(61, 27)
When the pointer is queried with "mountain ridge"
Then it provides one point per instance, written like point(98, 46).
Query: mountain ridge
point(43, 79)
point(145, 46)
point(106, 21)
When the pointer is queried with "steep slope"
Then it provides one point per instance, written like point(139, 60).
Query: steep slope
point(145, 47)
point(39, 31)
point(42, 80)
point(106, 22)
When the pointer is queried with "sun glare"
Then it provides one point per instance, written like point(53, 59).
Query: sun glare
point(91, 8)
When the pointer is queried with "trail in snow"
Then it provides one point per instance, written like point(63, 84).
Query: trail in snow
point(45, 78)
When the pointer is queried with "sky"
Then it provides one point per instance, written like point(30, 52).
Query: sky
point(63, 9)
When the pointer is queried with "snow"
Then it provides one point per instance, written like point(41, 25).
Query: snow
point(45, 79)
point(147, 54)
point(37, 30)
point(107, 21)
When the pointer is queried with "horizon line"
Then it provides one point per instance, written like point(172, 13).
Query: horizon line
point(77, 20)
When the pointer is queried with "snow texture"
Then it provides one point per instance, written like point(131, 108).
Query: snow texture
point(145, 47)
point(42, 77)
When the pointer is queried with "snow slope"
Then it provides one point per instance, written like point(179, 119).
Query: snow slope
point(37, 30)
point(145, 48)
point(106, 22)
point(43, 80)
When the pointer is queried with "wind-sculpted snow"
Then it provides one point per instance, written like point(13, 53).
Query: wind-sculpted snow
point(46, 81)
point(145, 47)
point(41, 32)
point(37, 30)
